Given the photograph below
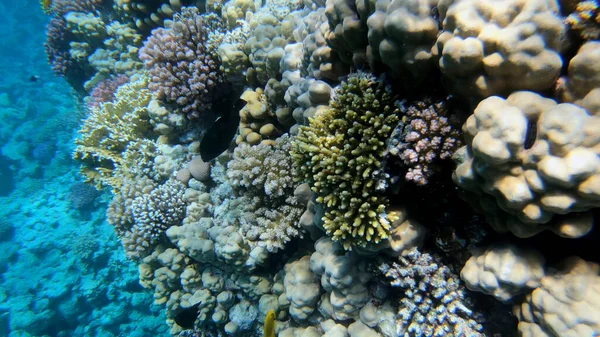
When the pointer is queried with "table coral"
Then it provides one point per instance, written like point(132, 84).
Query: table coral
point(340, 154)
point(532, 163)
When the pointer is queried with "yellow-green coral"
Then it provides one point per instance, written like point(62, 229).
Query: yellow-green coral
point(112, 131)
point(586, 20)
point(341, 154)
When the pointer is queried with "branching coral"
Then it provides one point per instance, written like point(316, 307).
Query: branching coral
point(428, 134)
point(434, 303)
point(181, 70)
point(105, 90)
point(340, 155)
point(262, 174)
point(112, 130)
point(152, 215)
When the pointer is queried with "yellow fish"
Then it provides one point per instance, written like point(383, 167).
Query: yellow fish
point(269, 329)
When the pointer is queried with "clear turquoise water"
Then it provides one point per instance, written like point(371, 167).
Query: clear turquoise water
point(62, 271)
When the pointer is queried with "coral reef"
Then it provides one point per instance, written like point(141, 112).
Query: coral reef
point(111, 130)
point(340, 155)
point(428, 134)
point(585, 20)
point(181, 72)
point(565, 304)
point(434, 302)
point(490, 47)
point(532, 163)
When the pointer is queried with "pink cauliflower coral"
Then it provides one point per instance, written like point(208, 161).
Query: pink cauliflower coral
point(427, 135)
point(182, 72)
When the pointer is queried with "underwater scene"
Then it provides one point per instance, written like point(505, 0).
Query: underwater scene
point(300, 168)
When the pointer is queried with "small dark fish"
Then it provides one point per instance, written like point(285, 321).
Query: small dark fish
point(531, 134)
point(186, 317)
point(219, 136)
point(34, 78)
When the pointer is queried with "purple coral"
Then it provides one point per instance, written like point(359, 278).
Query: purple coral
point(182, 72)
point(57, 46)
point(428, 134)
point(105, 90)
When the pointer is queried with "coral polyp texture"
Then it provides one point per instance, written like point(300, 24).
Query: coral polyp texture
point(340, 155)
point(565, 304)
point(434, 302)
point(497, 47)
point(428, 134)
point(533, 164)
point(111, 130)
point(182, 73)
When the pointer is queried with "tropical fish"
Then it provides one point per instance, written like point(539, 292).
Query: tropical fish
point(219, 136)
point(186, 317)
point(34, 78)
point(269, 328)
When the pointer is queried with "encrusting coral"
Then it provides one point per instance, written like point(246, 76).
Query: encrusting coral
point(340, 155)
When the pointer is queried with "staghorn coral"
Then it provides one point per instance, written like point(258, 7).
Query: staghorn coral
point(112, 132)
point(532, 164)
point(428, 134)
point(182, 72)
point(340, 155)
point(434, 303)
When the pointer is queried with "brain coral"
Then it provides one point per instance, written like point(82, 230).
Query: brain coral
point(340, 155)
point(532, 163)
point(182, 72)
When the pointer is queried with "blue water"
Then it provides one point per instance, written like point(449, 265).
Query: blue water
point(62, 270)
